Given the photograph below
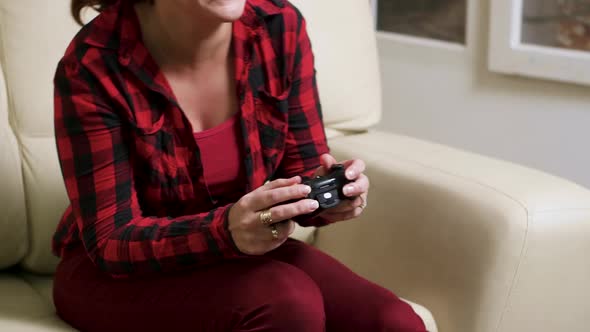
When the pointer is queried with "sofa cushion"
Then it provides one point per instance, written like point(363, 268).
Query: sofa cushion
point(346, 60)
point(46, 324)
point(23, 309)
point(19, 300)
point(46, 197)
point(29, 55)
point(13, 227)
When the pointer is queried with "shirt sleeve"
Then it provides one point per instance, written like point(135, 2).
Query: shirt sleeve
point(306, 138)
point(94, 159)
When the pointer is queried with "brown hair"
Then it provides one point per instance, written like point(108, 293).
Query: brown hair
point(99, 5)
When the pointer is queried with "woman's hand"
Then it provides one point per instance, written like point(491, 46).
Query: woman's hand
point(250, 235)
point(359, 189)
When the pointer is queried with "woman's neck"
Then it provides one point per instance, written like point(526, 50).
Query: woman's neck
point(180, 38)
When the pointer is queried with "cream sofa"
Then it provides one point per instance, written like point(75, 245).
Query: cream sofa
point(485, 245)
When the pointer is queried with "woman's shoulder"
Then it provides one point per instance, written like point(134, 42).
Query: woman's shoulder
point(96, 35)
point(290, 14)
point(282, 20)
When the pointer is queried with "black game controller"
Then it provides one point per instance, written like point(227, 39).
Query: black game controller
point(327, 189)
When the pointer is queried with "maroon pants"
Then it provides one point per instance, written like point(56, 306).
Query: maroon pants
point(293, 288)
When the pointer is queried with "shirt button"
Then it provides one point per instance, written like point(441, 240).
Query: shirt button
point(125, 59)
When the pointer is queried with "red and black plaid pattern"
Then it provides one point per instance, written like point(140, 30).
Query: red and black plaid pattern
point(131, 166)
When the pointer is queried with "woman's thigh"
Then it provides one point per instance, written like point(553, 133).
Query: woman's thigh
point(246, 294)
point(351, 302)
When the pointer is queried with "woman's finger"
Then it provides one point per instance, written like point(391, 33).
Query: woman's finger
point(346, 206)
point(358, 187)
point(284, 229)
point(343, 216)
point(326, 161)
point(354, 168)
point(265, 237)
point(261, 200)
point(289, 211)
point(278, 183)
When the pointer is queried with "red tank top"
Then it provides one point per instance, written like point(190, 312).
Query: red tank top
point(222, 156)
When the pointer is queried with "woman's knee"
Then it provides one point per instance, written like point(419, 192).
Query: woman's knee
point(399, 316)
point(285, 298)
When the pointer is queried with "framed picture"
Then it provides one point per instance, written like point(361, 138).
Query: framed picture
point(547, 39)
point(438, 20)
point(374, 9)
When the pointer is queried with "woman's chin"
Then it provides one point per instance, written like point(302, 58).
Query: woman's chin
point(228, 12)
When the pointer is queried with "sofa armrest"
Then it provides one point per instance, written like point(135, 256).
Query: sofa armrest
point(486, 245)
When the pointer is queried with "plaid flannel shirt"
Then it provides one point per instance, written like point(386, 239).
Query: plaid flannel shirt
point(131, 166)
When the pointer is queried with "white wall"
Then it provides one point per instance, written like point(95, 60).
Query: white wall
point(444, 93)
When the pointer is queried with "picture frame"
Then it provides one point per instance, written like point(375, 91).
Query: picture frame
point(432, 22)
point(509, 54)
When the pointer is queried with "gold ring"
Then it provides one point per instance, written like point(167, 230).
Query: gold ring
point(266, 217)
point(363, 203)
point(274, 231)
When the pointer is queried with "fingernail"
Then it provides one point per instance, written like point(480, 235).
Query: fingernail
point(350, 174)
point(314, 205)
point(348, 189)
point(306, 190)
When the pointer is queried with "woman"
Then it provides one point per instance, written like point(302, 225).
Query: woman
point(170, 118)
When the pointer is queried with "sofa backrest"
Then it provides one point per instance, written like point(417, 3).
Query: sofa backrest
point(13, 227)
point(33, 37)
point(345, 52)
